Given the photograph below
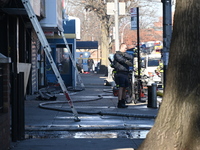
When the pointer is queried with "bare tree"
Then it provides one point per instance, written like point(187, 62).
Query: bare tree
point(99, 8)
point(147, 15)
point(177, 125)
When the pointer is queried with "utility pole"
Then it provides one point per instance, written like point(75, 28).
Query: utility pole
point(116, 25)
point(167, 33)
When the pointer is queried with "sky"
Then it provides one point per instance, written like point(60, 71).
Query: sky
point(159, 6)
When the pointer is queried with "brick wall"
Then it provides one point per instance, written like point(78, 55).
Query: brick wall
point(5, 115)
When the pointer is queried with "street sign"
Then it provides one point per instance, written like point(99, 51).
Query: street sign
point(133, 18)
point(134, 23)
point(111, 8)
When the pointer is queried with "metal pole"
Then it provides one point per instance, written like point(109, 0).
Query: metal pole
point(14, 85)
point(20, 107)
point(138, 53)
point(167, 33)
point(116, 25)
point(14, 105)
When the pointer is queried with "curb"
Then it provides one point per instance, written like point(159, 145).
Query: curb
point(92, 128)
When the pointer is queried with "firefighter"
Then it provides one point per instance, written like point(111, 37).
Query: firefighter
point(159, 70)
point(122, 62)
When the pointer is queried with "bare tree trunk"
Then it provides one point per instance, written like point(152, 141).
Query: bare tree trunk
point(177, 126)
point(104, 47)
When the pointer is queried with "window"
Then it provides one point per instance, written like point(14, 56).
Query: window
point(153, 62)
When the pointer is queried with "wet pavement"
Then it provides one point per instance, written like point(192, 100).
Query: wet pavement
point(100, 119)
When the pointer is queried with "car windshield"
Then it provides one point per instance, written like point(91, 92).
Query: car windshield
point(153, 62)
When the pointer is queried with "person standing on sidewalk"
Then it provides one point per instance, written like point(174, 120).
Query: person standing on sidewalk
point(90, 62)
point(121, 63)
point(80, 64)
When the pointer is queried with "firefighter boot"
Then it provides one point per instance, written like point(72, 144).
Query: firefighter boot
point(121, 104)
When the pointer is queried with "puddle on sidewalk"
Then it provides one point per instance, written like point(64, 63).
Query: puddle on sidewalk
point(136, 134)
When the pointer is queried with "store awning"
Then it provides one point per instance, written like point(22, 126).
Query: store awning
point(86, 44)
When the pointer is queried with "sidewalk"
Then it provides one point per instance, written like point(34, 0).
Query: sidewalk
point(97, 109)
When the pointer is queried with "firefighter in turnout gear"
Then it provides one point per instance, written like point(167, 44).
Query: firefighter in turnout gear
point(121, 63)
point(159, 70)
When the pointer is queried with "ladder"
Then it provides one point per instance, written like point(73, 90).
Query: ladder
point(73, 60)
point(47, 49)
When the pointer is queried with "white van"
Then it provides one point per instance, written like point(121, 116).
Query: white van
point(149, 65)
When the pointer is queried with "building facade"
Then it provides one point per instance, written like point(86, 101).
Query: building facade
point(22, 62)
